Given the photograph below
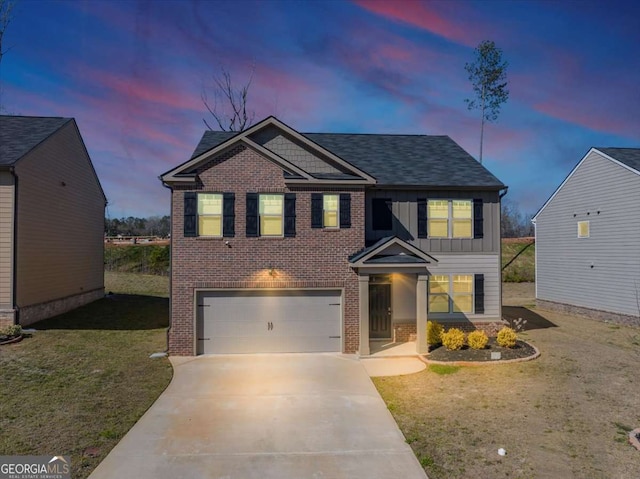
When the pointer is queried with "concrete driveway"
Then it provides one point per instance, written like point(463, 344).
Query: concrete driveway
point(265, 416)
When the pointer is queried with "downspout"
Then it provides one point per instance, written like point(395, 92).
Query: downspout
point(170, 257)
point(14, 259)
point(501, 195)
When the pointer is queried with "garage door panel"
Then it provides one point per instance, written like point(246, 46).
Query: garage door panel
point(269, 321)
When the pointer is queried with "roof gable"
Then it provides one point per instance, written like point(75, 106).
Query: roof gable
point(21, 134)
point(628, 158)
point(280, 144)
point(391, 251)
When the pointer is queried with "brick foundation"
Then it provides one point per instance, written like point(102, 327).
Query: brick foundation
point(37, 312)
point(598, 315)
point(7, 317)
point(491, 328)
point(404, 332)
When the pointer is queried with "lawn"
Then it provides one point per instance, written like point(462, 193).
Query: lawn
point(566, 414)
point(79, 383)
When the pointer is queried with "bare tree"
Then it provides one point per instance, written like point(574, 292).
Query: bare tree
point(229, 108)
point(488, 75)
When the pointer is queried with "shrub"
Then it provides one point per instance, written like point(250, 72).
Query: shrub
point(11, 331)
point(507, 337)
point(453, 339)
point(477, 339)
point(434, 333)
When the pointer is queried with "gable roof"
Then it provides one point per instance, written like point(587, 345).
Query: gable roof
point(391, 251)
point(21, 134)
point(392, 160)
point(628, 158)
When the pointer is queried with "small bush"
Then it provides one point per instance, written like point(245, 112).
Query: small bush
point(507, 337)
point(434, 333)
point(477, 339)
point(453, 339)
point(14, 330)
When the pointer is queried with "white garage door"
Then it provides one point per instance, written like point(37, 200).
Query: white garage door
point(276, 321)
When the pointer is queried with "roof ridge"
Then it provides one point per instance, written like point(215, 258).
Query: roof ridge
point(37, 116)
point(374, 134)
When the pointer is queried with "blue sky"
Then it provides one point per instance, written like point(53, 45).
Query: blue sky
point(132, 74)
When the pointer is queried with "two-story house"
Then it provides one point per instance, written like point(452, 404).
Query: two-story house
point(291, 242)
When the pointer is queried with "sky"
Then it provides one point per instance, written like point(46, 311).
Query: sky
point(132, 74)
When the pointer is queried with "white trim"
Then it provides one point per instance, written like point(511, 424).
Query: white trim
point(591, 150)
point(395, 240)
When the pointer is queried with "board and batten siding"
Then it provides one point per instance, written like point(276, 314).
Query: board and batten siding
point(486, 264)
point(6, 239)
point(60, 221)
point(404, 206)
point(601, 272)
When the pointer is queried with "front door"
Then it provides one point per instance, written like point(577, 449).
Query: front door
point(380, 311)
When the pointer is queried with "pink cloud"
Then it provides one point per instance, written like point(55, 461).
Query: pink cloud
point(419, 14)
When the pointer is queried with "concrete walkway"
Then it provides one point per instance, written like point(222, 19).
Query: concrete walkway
point(265, 416)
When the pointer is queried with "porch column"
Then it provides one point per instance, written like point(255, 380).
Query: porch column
point(363, 283)
point(421, 315)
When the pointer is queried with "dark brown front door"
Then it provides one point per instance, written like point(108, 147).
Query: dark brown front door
point(380, 311)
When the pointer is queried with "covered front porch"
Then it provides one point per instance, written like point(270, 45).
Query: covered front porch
point(393, 279)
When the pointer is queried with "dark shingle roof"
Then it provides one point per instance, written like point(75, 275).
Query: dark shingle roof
point(398, 160)
point(628, 156)
point(21, 134)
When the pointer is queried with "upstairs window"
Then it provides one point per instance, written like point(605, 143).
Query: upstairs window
point(271, 211)
point(331, 210)
point(382, 218)
point(450, 218)
point(209, 214)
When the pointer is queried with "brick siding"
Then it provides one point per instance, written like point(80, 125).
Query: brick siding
point(314, 258)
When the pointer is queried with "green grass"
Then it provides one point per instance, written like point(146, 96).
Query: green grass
point(80, 382)
point(523, 269)
point(443, 369)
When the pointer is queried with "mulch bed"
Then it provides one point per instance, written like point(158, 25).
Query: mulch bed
point(520, 350)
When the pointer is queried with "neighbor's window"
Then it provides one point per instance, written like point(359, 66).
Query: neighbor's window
point(209, 214)
point(583, 229)
point(451, 293)
point(271, 211)
point(450, 218)
point(330, 206)
point(462, 298)
point(439, 294)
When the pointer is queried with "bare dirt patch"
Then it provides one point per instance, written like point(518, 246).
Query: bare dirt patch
point(567, 414)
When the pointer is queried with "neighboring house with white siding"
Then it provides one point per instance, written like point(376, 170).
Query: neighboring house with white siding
point(51, 220)
point(588, 239)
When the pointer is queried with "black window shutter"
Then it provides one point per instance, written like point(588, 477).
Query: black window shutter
point(289, 215)
point(252, 215)
point(228, 215)
point(478, 287)
point(190, 214)
point(345, 210)
point(478, 220)
point(381, 212)
point(316, 210)
point(422, 218)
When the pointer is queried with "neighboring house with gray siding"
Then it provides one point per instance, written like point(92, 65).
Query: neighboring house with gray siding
point(305, 242)
point(51, 220)
point(588, 238)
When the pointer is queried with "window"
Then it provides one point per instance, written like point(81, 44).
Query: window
point(450, 218)
point(462, 298)
point(439, 294)
point(330, 209)
point(271, 209)
point(451, 293)
point(382, 218)
point(583, 229)
point(209, 214)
